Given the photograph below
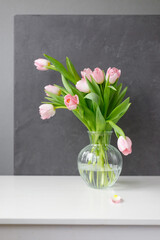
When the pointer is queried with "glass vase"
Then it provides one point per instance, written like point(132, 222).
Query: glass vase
point(99, 163)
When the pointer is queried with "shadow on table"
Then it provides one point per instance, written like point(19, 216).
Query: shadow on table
point(133, 183)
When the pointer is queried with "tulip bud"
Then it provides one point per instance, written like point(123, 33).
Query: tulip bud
point(52, 89)
point(124, 145)
point(113, 74)
point(98, 75)
point(46, 111)
point(87, 72)
point(82, 86)
point(71, 102)
point(41, 64)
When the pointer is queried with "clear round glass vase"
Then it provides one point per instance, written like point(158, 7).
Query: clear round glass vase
point(99, 163)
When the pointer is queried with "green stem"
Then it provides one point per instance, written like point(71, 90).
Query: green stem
point(103, 174)
point(60, 107)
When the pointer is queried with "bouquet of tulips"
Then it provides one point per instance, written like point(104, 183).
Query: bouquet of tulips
point(95, 98)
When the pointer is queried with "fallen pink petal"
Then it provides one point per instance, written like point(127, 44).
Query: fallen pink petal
point(116, 199)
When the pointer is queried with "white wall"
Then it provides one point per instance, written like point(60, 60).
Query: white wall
point(9, 8)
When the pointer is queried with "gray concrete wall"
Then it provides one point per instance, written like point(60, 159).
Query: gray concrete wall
point(9, 8)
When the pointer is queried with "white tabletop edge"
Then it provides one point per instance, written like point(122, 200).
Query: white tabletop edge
point(87, 222)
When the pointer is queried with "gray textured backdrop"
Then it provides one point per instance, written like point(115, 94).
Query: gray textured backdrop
point(8, 10)
point(131, 43)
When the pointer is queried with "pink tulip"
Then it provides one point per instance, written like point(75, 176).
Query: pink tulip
point(52, 89)
point(98, 75)
point(124, 145)
point(46, 111)
point(87, 72)
point(71, 102)
point(82, 86)
point(41, 64)
point(113, 74)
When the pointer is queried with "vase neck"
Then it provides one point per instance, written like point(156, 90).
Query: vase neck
point(100, 137)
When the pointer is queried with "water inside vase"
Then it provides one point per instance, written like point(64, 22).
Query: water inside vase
point(97, 176)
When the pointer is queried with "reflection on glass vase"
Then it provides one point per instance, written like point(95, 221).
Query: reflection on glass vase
point(99, 163)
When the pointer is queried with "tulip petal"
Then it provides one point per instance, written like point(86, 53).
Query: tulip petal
point(129, 142)
point(82, 86)
point(41, 64)
point(124, 145)
point(116, 199)
point(46, 111)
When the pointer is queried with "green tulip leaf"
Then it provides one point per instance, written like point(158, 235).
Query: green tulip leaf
point(94, 97)
point(121, 96)
point(60, 68)
point(96, 86)
point(121, 115)
point(67, 85)
point(106, 96)
point(100, 121)
point(55, 99)
point(119, 110)
point(72, 69)
point(113, 88)
point(116, 128)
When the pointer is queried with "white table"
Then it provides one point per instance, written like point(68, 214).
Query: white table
point(47, 207)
